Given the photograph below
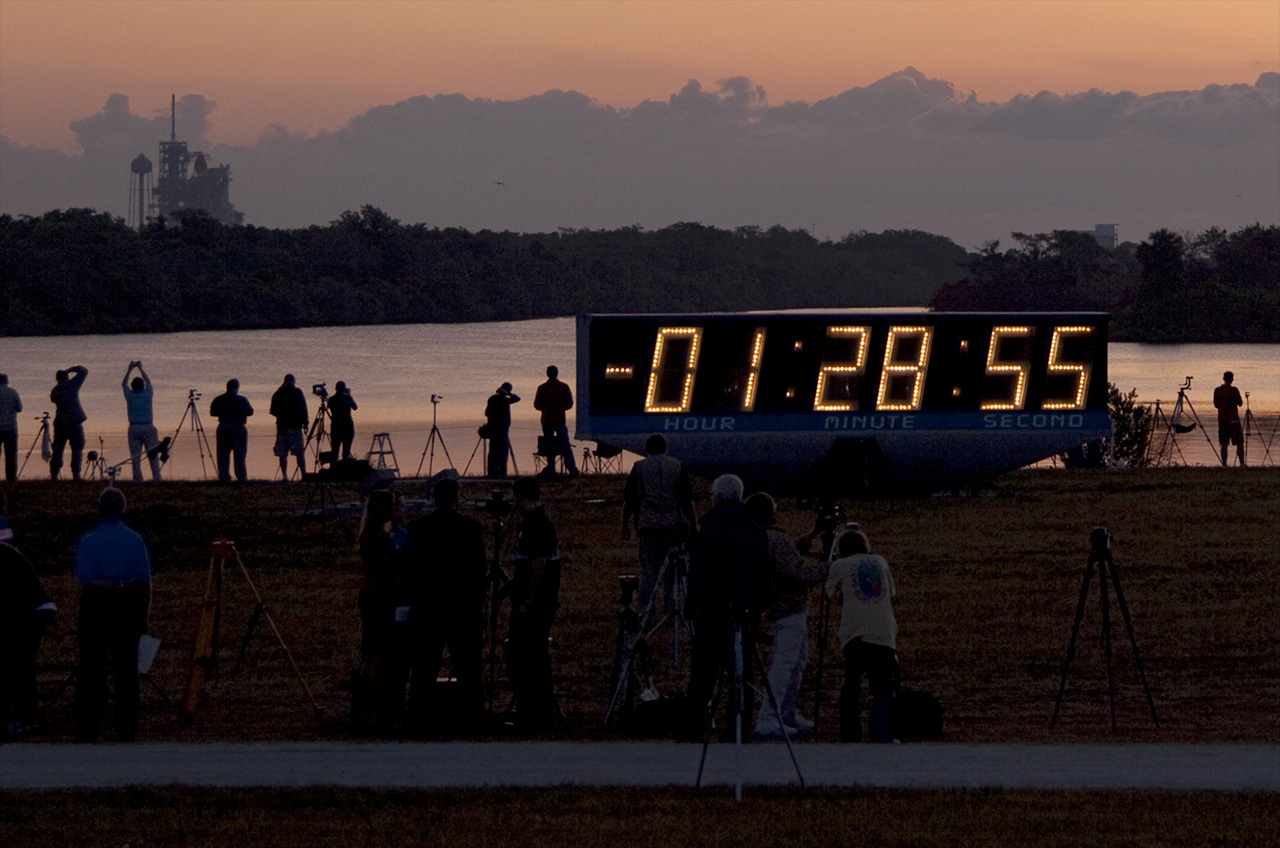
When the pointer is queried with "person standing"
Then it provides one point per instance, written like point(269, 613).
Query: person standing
point(788, 611)
point(445, 568)
point(10, 406)
point(26, 611)
point(553, 399)
point(289, 406)
point(342, 430)
point(497, 414)
point(142, 429)
point(659, 499)
point(868, 633)
point(1227, 400)
point(232, 411)
point(378, 696)
point(68, 419)
point(113, 568)
point(535, 598)
point(728, 588)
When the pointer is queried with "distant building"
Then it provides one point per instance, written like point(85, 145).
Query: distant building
point(1104, 234)
point(186, 181)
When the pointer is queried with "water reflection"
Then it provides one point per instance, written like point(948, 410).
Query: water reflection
point(393, 371)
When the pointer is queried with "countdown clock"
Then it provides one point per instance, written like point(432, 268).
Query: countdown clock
point(790, 401)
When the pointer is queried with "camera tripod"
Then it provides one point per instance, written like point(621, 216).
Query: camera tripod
point(204, 657)
point(632, 659)
point(745, 649)
point(482, 448)
point(202, 439)
point(495, 590)
point(43, 440)
point(1174, 427)
point(96, 466)
point(318, 429)
point(1100, 556)
point(436, 436)
point(829, 515)
point(1249, 431)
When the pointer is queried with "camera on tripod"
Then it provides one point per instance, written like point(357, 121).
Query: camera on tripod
point(192, 394)
point(830, 516)
point(319, 390)
point(497, 505)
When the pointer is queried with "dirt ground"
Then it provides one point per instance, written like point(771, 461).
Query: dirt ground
point(987, 583)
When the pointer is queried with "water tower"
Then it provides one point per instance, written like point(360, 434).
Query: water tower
point(141, 181)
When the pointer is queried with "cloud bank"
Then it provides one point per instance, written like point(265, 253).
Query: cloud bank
point(907, 151)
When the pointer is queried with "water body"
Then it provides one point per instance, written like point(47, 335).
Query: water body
point(394, 370)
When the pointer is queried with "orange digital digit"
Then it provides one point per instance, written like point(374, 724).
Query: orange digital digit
point(1013, 368)
point(1077, 372)
point(906, 364)
point(685, 372)
point(847, 370)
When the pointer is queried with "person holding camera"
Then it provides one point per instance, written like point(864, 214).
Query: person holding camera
point(497, 415)
point(289, 406)
point(728, 588)
point(68, 419)
point(659, 499)
point(342, 430)
point(535, 597)
point(143, 437)
point(232, 411)
point(868, 633)
point(445, 568)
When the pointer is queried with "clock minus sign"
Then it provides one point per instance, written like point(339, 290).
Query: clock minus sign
point(619, 372)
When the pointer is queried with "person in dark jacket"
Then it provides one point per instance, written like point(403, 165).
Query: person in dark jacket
point(728, 589)
point(342, 430)
point(535, 598)
point(68, 419)
point(497, 414)
point(289, 407)
point(553, 399)
point(232, 411)
point(445, 571)
point(26, 611)
point(378, 693)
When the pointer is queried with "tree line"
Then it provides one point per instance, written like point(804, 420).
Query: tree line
point(80, 271)
point(1211, 287)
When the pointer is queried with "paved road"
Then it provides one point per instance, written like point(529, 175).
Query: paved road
point(465, 764)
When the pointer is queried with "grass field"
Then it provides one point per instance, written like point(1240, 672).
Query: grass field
point(987, 589)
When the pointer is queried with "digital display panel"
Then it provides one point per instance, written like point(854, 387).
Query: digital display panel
point(784, 398)
point(759, 364)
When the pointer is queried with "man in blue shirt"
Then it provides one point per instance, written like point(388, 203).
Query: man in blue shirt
point(142, 429)
point(113, 568)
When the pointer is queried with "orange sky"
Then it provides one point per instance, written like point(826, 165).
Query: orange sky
point(310, 65)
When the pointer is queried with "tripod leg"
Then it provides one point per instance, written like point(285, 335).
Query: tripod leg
point(248, 634)
point(824, 625)
point(1071, 646)
point(203, 657)
point(739, 707)
point(777, 710)
point(1106, 637)
point(319, 710)
point(1133, 640)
